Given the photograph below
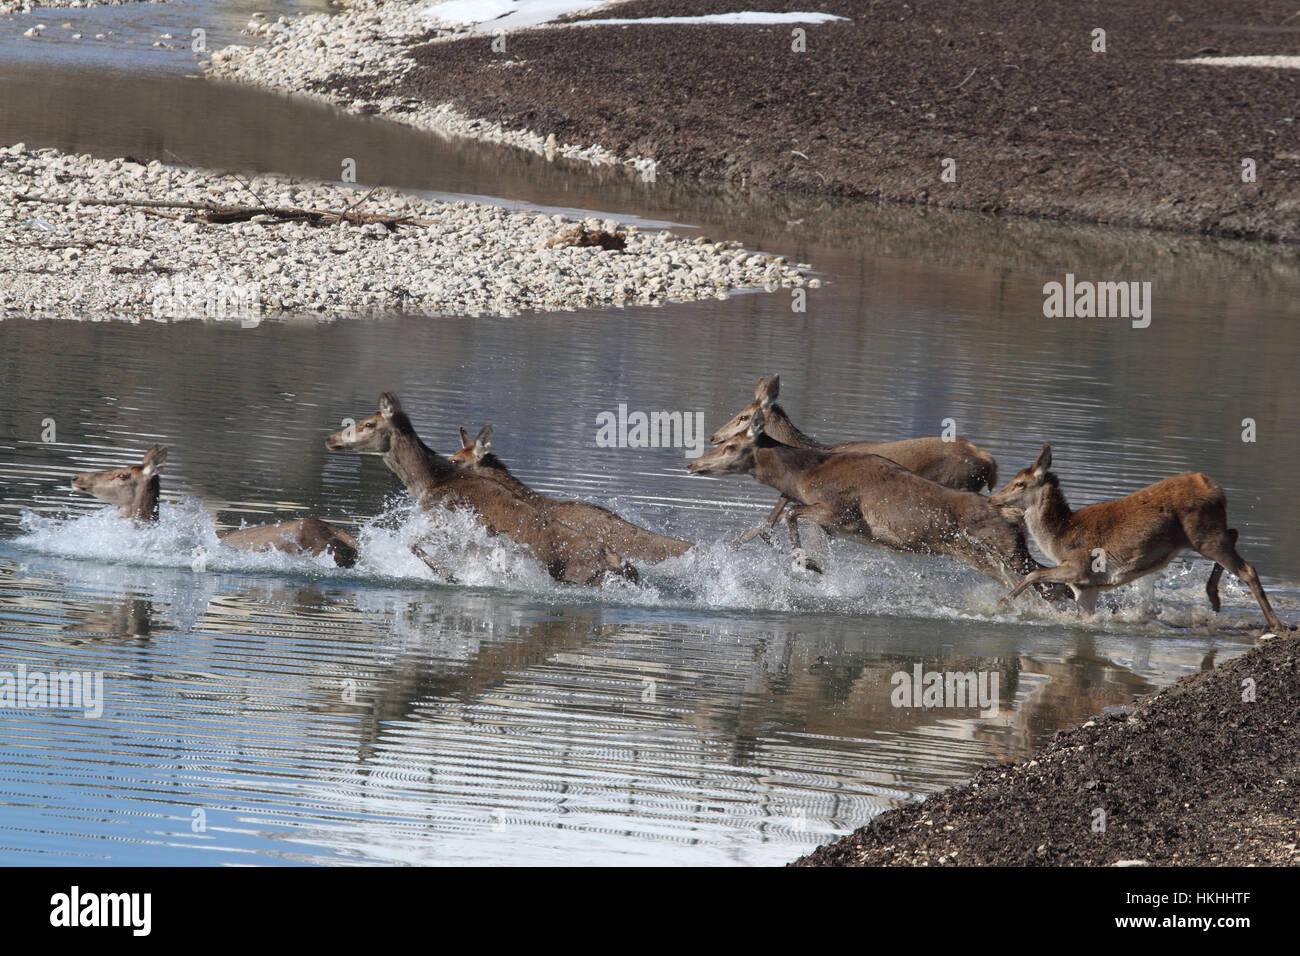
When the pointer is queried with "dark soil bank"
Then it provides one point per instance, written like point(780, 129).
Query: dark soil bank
point(1194, 775)
point(1037, 123)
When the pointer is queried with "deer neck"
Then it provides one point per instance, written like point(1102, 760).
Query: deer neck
point(1050, 519)
point(782, 466)
point(494, 468)
point(419, 467)
point(145, 505)
point(777, 424)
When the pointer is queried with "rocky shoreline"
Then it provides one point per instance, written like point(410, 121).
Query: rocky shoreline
point(314, 53)
point(88, 238)
point(27, 6)
point(968, 106)
point(1203, 773)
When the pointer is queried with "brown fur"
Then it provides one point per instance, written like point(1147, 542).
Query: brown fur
point(135, 490)
point(959, 463)
point(569, 555)
point(1135, 535)
point(875, 501)
point(617, 534)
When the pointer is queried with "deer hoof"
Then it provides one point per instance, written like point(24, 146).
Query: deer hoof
point(804, 563)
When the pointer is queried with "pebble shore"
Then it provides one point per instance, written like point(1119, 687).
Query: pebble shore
point(73, 245)
point(27, 6)
point(368, 38)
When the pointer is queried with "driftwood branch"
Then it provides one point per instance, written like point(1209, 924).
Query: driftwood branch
point(246, 184)
point(225, 214)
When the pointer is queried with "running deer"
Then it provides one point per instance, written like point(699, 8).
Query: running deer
point(872, 500)
point(620, 536)
point(571, 555)
point(1110, 543)
point(958, 463)
point(134, 489)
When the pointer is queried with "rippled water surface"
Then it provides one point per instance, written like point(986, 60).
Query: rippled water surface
point(266, 709)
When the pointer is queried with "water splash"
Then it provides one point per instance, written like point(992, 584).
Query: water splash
point(456, 549)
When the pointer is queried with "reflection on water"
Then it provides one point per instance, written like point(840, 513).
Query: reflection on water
point(329, 723)
point(728, 709)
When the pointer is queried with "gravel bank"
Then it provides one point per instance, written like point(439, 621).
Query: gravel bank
point(85, 251)
point(1034, 120)
point(26, 6)
point(311, 53)
point(1194, 775)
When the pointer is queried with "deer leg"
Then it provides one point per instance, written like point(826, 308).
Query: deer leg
point(1220, 549)
point(1212, 585)
point(617, 566)
point(1061, 574)
point(1009, 563)
point(1002, 552)
point(818, 514)
point(442, 572)
point(1086, 598)
point(762, 530)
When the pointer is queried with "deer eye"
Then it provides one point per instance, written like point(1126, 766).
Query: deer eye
point(744, 418)
point(369, 425)
point(122, 477)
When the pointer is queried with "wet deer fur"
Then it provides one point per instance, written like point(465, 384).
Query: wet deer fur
point(872, 500)
point(618, 534)
point(568, 554)
point(135, 488)
point(1111, 543)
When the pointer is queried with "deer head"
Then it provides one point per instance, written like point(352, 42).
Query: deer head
point(765, 394)
point(736, 455)
point(1024, 492)
point(374, 435)
point(134, 489)
point(472, 450)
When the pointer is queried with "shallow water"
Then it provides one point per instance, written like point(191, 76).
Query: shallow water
point(259, 708)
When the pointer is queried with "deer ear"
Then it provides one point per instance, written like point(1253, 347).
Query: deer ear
point(770, 393)
point(483, 444)
point(760, 388)
point(154, 459)
point(1043, 461)
point(464, 438)
point(756, 423)
point(389, 405)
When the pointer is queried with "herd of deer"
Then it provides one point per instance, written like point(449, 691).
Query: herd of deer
point(920, 495)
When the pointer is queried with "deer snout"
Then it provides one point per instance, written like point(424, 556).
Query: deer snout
point(334, 442)
point(81, 482)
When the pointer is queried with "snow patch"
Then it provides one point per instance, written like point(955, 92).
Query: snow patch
point(1276, 62)
point(492, 15)
point(506, 14)
point(747, 16)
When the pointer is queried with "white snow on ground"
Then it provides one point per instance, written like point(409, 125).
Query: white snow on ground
point(1281, 62)
point(748, 16)
point(506, 14)
point(515, 14)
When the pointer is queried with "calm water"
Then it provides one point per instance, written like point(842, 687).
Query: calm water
point(728, 710)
